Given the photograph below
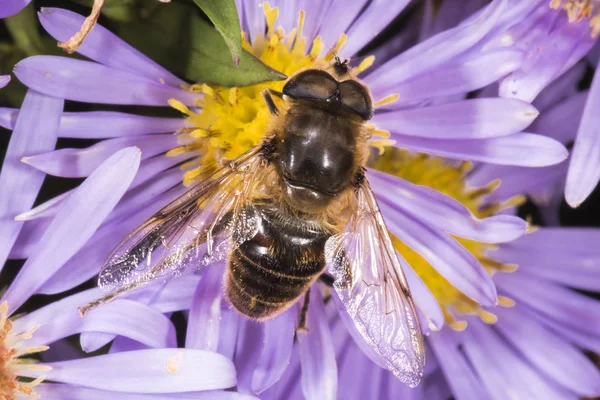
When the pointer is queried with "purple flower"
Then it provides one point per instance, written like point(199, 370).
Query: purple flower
point(163, 367)
point(443, 225)
point(554, 36)
point(529, 348)
point(479, 129)
point(167, 369)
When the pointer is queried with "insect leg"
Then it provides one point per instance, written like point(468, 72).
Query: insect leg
point(327, 279)
point(270, 103)
point(303, 312)
point(105, 299)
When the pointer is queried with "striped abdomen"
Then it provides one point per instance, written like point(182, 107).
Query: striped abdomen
point(268, 273)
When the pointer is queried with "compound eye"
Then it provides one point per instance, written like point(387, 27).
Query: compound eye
point(356, 99)
point(313, 84)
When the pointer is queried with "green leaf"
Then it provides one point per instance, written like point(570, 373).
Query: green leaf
point(223, 14)
point(209, 60)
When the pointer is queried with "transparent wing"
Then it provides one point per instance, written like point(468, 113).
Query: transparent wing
point(193, 231)
point(370, 284)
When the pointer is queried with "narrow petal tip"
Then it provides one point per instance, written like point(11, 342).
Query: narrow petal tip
point(4, 80)
point(576, 195)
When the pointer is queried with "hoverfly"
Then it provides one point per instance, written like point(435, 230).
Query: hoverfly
point(283, 214)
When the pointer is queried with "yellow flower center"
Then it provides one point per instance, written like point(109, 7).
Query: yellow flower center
point(12, 362)
point(449, 179)
point(232, 120)
point(578, 10)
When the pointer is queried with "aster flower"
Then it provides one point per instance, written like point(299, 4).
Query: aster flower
point(554, 36)
point(222, 123)
point(21, 337)
point(154, 86)
point(158, 368)
point(32, 333)
point(527, 347)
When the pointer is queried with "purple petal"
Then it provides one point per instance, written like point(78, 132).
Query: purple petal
point(462, 379)
point(524, 149)
point(61, 392)
point(51, 328)
point(35, 132)
point(122, 343)
point(345, 13)
point(28, 238)
point(561, 89)
point(424, 299)
point(254, 18)
point(361, 379)
point(576, 310)
point(556, 358)
point(371, 22)
point(277, 350)
point(106, 124)
point(448, 257)
point(156, 371)
point(488, 351)
point(4, 79)
point(553, 123)
point(145, 195)
point(443, 212)
point(81, 215)
point(124, 318)
point(435, 51)
point(447, 15)
point(288, 13)
point(474, 72)
point(89, 82)
point(8, 117)
point(584, 170)
point(86, 262)
point(585, 340)
point(468, 119)
point(230, 324)
point(102, 124)
point(247, 352)
point(103, 46)
point(567, 256)
point(11, 7)
point(47, 209)
point(317, 355)
point(175, 295)
point(548, 57)
point(316, 15)
point(79, 163)
point(149, 169)
point(205, 314)
point(522, 180)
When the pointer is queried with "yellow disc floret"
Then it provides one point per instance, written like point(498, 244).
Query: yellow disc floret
point(578, 10)
point(12, 361)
